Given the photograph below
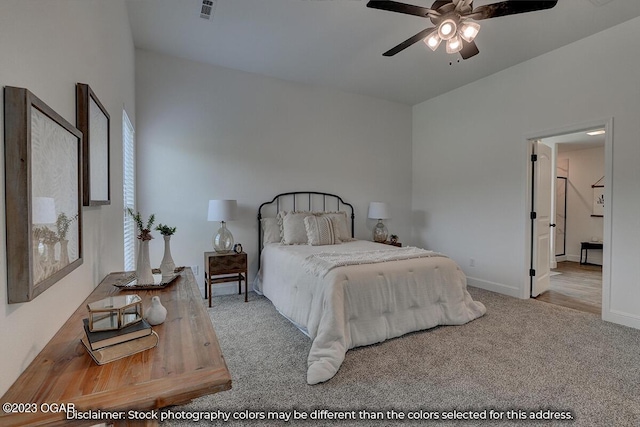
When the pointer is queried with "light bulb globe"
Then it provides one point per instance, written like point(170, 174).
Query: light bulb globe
point(433, 41)
point(454, 45)
point(447, 29)
point(469, 31)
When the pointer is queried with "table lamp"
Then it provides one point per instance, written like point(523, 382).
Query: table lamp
point(222, 210)
point(379, 211)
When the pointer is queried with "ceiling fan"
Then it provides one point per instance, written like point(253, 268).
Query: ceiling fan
point(454, 21)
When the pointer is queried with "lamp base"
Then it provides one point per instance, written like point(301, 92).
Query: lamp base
point(223, 240)
point(380, 232)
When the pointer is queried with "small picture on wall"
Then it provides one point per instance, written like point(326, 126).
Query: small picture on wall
point(94, 123)
point(598, 201)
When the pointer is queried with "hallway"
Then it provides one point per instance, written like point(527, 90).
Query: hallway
point(575, 286)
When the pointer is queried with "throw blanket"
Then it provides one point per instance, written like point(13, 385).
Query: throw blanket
point(321, 263)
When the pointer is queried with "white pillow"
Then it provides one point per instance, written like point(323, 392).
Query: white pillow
point(320, 230)
point(293, 229)
point(340, 225)
point(270, 230)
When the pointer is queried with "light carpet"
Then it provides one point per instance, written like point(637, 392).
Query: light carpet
point(523, 358)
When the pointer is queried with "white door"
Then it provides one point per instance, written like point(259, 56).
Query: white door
point(541, 250)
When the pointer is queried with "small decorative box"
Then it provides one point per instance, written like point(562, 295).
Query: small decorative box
point(114, 312)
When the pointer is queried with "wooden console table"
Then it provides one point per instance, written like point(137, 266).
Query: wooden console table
point(585, 246)
point(187, 363)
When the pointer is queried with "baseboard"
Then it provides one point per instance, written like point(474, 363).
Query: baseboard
point(576, 258)
point(621, 318)
point(494, 287)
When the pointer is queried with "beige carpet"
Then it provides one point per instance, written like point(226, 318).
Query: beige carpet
point(523, 357)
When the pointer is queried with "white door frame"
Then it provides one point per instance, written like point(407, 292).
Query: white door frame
point(607, 124)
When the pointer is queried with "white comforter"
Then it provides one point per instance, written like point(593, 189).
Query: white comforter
point(363, 304)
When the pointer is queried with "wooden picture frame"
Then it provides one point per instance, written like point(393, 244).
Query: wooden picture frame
point(94, 122)
point(43, 191)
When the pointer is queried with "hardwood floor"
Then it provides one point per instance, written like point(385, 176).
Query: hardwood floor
point(576, 286)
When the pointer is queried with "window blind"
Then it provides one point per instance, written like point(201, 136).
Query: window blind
point(129, 186)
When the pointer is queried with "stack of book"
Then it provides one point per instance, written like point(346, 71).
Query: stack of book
point(107, 346)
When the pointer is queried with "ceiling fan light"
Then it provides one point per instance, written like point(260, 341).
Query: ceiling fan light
point(469, 31)
point(433, 41)
point(454, 45)
point(447, 29)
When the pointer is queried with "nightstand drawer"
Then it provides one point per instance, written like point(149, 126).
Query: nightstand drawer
point(228, 264)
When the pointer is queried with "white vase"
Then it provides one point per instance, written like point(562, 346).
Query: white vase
point(167, 266)
point(143, 267)
point(50, 254)
point(38, 270)
point(157, 313)
point(64, 252)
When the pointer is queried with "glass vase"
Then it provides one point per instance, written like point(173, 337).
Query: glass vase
point(380, 232)
point(223, 240)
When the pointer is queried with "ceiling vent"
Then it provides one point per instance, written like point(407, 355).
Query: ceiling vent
point(600, 2)
point(207, 9)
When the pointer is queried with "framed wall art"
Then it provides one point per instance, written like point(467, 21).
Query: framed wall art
point(43, 195)
point(94, 122)
point(598, 198)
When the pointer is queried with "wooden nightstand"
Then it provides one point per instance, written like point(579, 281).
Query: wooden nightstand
point(221, 268)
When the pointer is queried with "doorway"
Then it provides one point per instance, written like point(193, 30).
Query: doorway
point(573, 225)
point(576, 286)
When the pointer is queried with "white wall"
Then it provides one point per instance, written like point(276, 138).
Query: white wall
point(206, 132)
point(586, 167)
point(470, 160)
point(46, 47)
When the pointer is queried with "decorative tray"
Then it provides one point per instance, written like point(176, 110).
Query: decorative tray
point(159, 281)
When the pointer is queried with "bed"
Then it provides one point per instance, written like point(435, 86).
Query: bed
point(345, 293)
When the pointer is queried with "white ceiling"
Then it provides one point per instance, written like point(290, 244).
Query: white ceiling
point(339, 43)
point(576, 141)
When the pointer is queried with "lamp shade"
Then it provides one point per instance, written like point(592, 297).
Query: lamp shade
point(222, 210)
point(454, 44)
point(379, 210)
point(43, 210)
point(433, 41)
point(469, 30)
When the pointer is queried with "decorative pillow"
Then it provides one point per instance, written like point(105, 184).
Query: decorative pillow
point(280, 217)
point(340, 225)
point(319, 230)
point(293, 229)
point(270, 230)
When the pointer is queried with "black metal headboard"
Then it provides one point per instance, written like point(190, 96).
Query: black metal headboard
point(295, 197)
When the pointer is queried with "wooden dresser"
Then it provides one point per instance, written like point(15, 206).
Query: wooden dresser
point(187, 363)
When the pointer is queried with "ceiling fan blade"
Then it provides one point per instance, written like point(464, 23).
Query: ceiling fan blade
point(505, 8)
point(469, 49)
point(405, 44)
point(394, 6)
